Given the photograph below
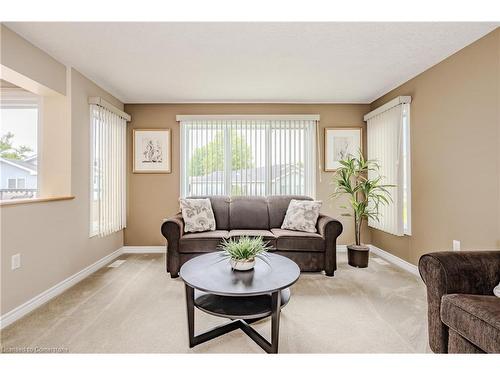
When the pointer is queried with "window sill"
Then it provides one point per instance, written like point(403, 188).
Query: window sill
point(16, 202)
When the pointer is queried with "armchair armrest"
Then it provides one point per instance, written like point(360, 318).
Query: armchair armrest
point(447, 272)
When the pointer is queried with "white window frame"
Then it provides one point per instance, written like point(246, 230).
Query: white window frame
point(310, 177)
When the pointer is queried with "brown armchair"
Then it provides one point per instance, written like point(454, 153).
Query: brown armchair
point(463, 313)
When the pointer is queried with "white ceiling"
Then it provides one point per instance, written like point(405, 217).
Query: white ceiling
point(250, 62)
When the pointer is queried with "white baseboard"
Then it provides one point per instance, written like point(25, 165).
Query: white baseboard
point(143, 249)
point(341, 248)
point(17, 313)
point(395, 260)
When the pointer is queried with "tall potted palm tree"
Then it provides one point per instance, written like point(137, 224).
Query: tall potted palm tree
point(365, 197)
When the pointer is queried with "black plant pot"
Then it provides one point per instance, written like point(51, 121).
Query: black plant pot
point(357, 256)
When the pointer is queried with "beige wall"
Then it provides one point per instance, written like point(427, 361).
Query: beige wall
point(498, 126)
point(152, 197)
point(24, 64)
point(52, 237)
point(455, 141)
point(55, 147)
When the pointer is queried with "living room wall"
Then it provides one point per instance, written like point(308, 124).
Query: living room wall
point(52, 237)
point(153, 197)
point(455, 150)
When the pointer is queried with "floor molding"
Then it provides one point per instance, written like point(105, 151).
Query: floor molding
point(143, 249)
point(341, 248)
point(395, 260)
point(20, 311)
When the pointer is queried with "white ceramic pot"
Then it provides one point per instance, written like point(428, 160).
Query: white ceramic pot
point(242, 265)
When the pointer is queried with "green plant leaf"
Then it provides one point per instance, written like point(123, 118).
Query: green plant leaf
point(244, 248)
point(365, 190)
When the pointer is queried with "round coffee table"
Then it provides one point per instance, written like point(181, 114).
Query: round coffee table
point(243, 296)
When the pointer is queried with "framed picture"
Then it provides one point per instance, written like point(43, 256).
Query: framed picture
point(339, 143)
point(152, 151)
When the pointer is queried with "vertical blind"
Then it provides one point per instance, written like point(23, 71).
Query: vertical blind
point(108, 173)
point(388, 144)
point(248, 157)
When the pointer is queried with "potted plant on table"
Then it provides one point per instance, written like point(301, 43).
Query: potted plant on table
point(366, 194)
point(243, 251)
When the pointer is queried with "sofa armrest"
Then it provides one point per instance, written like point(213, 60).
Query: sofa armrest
point(467, 272)
point(329, 229)
point(328, 226)
point(173, 228)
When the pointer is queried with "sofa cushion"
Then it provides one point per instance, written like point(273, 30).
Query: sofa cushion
point(278, 205)
point(302, 215)
point(457, 344)
point(291, 240)
point(475, 317)
point(220, 207)
point(202, 242)
point(248, 213)
point(267, 235)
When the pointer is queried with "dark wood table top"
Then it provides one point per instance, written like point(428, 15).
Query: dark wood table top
point(210, 274)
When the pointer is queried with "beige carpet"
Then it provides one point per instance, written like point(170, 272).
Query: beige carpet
point(138, 308)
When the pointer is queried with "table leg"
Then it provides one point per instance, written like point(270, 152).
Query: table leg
point(190, 314)
point(269, 347)
point(275, 320)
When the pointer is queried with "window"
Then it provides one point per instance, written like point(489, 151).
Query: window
point(20, 113)
point(12, 183)
point(108, 174)
point(389, 143)
point(21, 183)
point(248, 155)
point(16, 183)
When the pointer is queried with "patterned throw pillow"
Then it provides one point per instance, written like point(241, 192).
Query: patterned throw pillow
point(197, 214)
point(496, 290)
point(302, 215)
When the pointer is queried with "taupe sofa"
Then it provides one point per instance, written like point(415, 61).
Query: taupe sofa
point(255, 216)
point(463, 312)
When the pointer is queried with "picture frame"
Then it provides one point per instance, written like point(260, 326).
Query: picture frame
point(340, 142)
point(152, 151)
